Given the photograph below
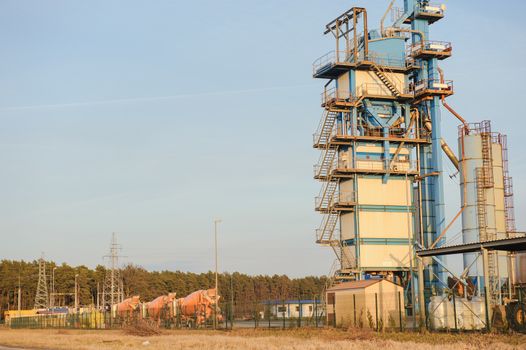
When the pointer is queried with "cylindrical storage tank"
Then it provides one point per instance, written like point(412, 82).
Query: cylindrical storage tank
point(500, 209)
point(520, 268)
point(465, 313)
point(471, 159)
point(440, 313)
point(498, 188)
point(478, 309)
point(459, 313)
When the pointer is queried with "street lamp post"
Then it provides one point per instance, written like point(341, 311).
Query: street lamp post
point(216, 222)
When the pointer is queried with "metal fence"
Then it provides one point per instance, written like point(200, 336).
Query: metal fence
point(277, 314)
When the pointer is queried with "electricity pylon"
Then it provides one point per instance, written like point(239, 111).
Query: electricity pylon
point(41, 298)
point(112, 292)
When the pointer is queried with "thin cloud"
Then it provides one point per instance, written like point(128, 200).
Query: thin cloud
point(153, 98)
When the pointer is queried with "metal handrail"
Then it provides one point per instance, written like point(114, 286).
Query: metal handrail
point(431, 8)
point(382, 59)
point(333, 94)
point(316, 136)
point(396, 132)
point(338, 197)
point(318, 167)
point(381, 164)
point(319, 233)
point(432, 84)
point(378, 90)
point(330, 58)
point(428, 45)
point(334, 57)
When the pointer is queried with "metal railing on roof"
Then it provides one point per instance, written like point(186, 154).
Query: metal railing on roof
point(428, 46)
point(432, 84)
point(397, 132)
point(329, 59)
point(333, 57)
point(382, 164)
point(336, 95)
point(377, 89)
point(430, 8)
point(338, 198)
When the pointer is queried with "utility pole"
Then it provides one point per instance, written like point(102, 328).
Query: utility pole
point(111, 290)
point(41, 298)
point(76, 293)
point(52, 295)
point(216, 222)
point(19, 296)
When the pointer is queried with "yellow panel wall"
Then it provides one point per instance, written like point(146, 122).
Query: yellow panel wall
point(384, 256)
point(347, 226)
point(395, 192)
point(343, 85)
point(378, 224)
point(369, 80)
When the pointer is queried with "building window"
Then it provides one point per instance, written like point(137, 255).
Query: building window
point(282, 309)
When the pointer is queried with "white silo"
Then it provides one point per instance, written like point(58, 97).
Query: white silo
point(482, 195)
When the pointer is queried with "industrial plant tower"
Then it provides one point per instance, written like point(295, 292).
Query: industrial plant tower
point(382, 193)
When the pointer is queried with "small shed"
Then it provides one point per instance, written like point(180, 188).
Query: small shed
point(366, 303)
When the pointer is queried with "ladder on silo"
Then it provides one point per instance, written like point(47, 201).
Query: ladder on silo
point(381, 73)
point(487, 161)
point(484, 177)
point(481, 205)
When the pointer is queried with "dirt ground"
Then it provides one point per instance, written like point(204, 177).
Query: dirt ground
point(304, 339)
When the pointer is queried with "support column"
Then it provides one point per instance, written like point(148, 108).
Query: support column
point(438, 181)
point(421, 298)
point(485, 267)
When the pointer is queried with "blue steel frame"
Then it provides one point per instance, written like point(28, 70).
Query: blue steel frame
point(432, 201)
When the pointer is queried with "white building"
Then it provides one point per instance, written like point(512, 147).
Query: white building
point(294, 308)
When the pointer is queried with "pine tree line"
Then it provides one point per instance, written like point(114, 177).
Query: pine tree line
point(245, 289)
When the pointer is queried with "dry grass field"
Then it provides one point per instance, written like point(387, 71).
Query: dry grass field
point(304, 339)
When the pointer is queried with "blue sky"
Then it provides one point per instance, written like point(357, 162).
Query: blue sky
point(151, 118)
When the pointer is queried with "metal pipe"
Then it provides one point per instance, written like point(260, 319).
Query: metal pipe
point(449, 153)
point(406, 30)
point(384, 16)
point(443, 99)
point(365, 34)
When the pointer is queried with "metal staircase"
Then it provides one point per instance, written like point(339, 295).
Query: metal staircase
point(381, 73)
point(325, 128)
point(326, 163)
point(324, 235)
point(327, 196)
point(348, 262)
